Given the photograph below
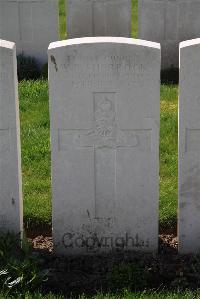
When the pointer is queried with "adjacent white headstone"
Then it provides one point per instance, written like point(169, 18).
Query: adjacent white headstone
point(104, 102)
point(10, 160)
point(169, 22)
point(98, 18)
point(189, 147)
point(31, 24)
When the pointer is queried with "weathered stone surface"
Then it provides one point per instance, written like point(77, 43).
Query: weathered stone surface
point(10, 155)
point(31, 24)
point(104, 102)
point(169, 22)
point(189, 147)
point(98, 18)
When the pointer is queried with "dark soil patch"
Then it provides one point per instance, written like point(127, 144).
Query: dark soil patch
point(167, 243)
point(113, 272)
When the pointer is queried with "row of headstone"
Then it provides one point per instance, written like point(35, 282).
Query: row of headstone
point(104, 106)
point(33, 24)
point(10, 155)
point(86, 18)
point(168, 23)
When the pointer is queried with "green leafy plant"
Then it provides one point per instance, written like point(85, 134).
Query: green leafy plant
point(20, 268)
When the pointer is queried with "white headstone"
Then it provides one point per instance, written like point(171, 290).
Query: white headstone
point(104, 100)
point(10, 159)
point(189, 147)
point(31, 24)
point(98, 18)
point(169, 22)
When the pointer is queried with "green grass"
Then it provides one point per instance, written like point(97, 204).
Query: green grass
point(134, 18)
point(168, 156)
point(36, 162)
point(36, 146)
point(34, 117)
point(153, 295)
point(62, 19)
point(35, 137)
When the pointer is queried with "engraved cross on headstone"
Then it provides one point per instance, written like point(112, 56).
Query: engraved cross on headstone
point(106, 139)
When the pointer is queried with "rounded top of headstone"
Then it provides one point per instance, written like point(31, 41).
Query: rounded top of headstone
point(95, 40)
point(7, 44)
point(188, 43)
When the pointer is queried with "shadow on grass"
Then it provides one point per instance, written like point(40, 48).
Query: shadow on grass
point(35, 227)
point(112, 273)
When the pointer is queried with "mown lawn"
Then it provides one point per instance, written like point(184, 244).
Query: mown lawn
point(153, 295)
point(35, 137)
point(35, 143)
point(62, 19)
point(36, 162)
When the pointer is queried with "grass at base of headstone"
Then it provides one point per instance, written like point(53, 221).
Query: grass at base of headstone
point(20, 270)
point(127, 295)
point(168, 156)
point(35, 137)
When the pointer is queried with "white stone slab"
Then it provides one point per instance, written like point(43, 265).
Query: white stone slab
point(189, 147)
point(169, 22)
point(10, 155)
point(104, 101)
point(31, 24)
point(98, 18)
